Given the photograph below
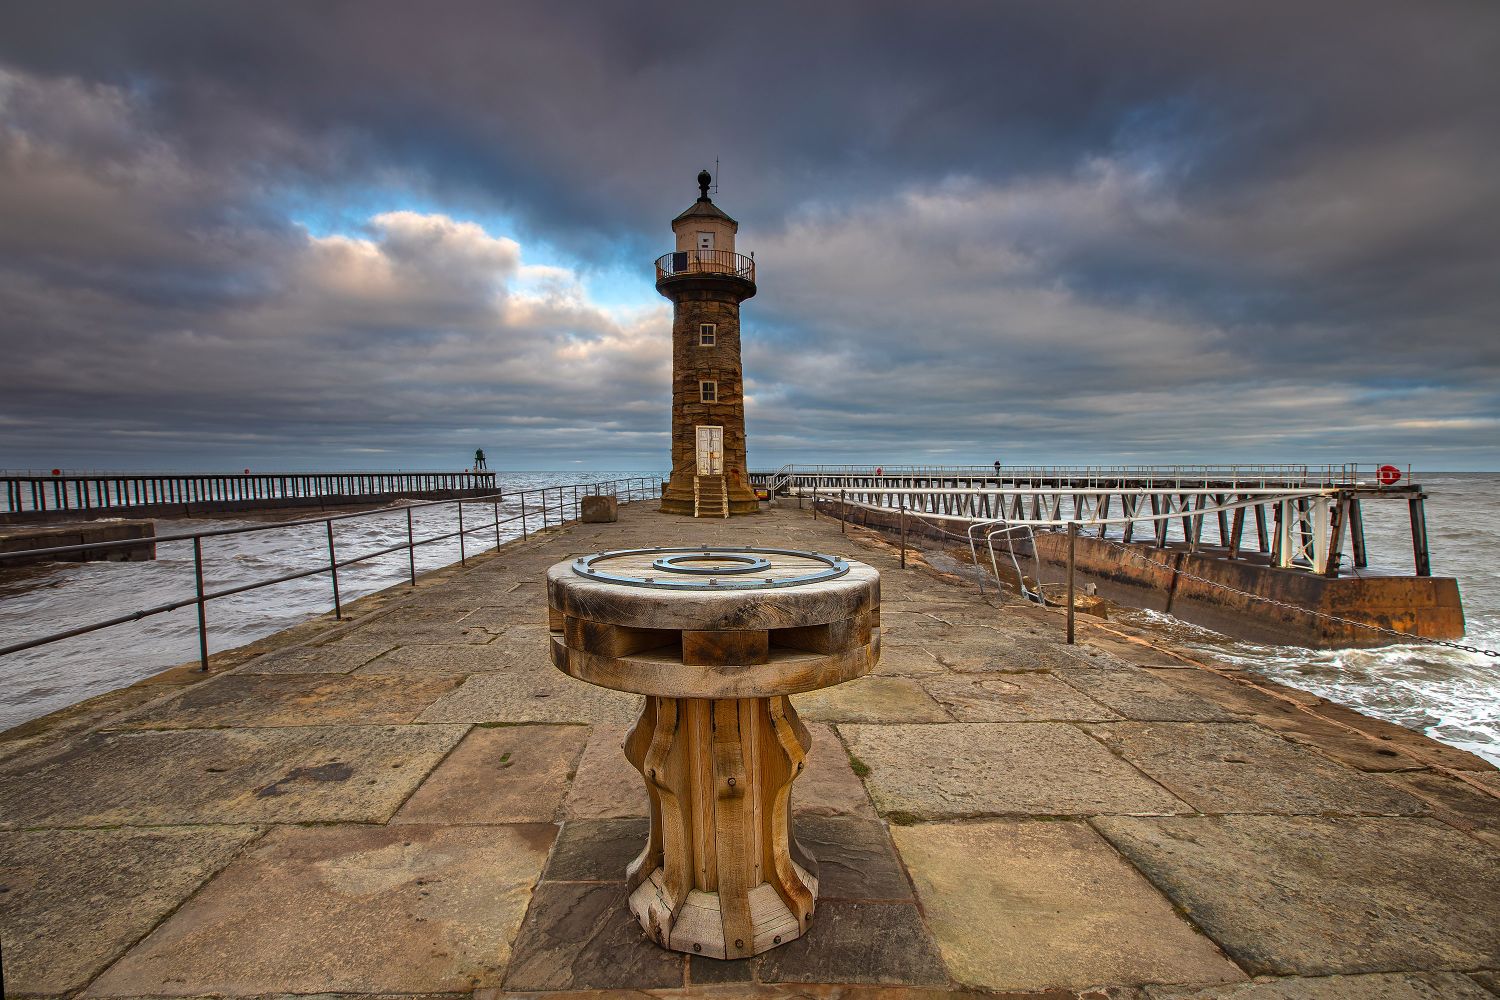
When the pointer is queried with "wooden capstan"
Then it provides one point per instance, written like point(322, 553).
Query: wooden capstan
point(716, 640)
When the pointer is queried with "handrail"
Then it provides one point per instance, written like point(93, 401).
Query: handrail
point(632, 488)
point(682, 263)
point(25, 494)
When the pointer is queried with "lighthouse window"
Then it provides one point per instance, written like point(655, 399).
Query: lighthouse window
point(708, 391)
point(707, 334)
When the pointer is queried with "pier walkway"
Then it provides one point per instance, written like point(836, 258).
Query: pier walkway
point(414, 801)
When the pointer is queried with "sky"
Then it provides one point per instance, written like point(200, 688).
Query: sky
point(328, 235)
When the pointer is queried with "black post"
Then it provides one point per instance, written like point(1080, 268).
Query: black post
point(1072, 565)
point(523, 513)
point(843, 513)
point(202, 611)
point(903, 532)
point(333, 570)
point(497, 524)
point(461, 561)
point(411, 549)
point(1419, 535)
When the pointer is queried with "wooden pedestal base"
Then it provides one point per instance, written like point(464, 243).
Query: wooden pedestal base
point(721, 874)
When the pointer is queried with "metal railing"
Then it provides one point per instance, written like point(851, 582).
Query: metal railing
point(38, 492)
point(540, 508)
point(1301, 527)
point(681, 263)
point(1260, 476)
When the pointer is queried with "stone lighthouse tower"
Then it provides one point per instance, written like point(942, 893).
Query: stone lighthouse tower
point(707, 280)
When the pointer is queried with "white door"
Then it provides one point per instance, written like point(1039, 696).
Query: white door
point(705, 241)
point(710, 451)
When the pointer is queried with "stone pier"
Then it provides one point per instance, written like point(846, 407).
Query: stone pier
point(415, 802)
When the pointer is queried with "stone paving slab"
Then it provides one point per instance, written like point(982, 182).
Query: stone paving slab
point(533, 696)
point(1027, 905)
point(871, 699)
point(1315, 896)
point(72, 900)
point(907, 661)
point(340, 658)
point(1135, 694)
point(856, 859)
point(828, 785)
point(1014, 697)
point(295, 700)
point(605, 786)
point(506, 653)
point(346, 909)
point(1455, 803)
point(515, 774)
point(859, 943)
point(1236, 767)
point(997, 768)
point(416, 633)
point(305, 774)
point(975, 651)
point(581, 935)
point(596, 850)
point(1385, 986)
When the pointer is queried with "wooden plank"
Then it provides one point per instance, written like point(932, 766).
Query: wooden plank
point(833, 637)
point(783, 757)
point(614, 640)
point(637, 743)
point(729, 830)
point(740, 647)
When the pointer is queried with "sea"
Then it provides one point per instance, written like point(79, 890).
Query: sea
point(1450, 694)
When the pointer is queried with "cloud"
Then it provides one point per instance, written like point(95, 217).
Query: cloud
point(1067, 230)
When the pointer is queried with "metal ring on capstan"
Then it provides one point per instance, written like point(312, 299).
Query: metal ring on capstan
point(681, 578)
point(743, 563)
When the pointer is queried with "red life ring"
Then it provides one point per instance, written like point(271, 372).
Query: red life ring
point(1388, 475)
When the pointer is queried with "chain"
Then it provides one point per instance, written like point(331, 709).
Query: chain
point(1138, 555)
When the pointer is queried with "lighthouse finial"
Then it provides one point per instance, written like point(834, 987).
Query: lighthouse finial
point(704, 180)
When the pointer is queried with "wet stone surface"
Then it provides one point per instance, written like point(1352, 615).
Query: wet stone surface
point(1329, 895)
point(977, 769)
point(414, 802)
point(304, 774)
point(1222, 768)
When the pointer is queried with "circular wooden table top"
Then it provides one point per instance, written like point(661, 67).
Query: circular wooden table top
point(714, 622)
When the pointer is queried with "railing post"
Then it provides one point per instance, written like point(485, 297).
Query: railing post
point(1072, 567)
point(461, 558)
point(843, 514)
point(903, 532)
point(411, 549)
point(333, 570)
point(497, 522)
point(202, 610)
point(523, 514)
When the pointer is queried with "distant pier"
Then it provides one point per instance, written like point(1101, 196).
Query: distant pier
point(1274, 553)
point(34, 497)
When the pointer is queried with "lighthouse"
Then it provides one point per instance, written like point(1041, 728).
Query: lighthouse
point(707, 279)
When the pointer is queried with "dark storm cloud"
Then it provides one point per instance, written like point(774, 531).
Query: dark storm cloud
point(1145, 231)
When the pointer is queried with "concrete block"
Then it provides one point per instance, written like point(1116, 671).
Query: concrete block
point(533, 696)
point(581, 936)
point(1380, 986)
point(599, 510)
point(860, 942)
